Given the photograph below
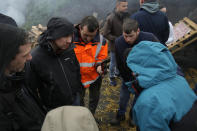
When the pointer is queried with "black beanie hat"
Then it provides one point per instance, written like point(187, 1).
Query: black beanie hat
point(7, 20)
point(58, 27)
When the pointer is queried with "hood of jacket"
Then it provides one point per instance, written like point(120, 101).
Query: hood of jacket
point(45, 43)
point(153, 63)
point(151, 7)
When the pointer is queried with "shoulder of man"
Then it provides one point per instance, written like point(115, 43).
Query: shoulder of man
point(111, 16)
point(149, 36)
point(7, 20)
point(38, 51)
point(137, 14)
point(119, 40)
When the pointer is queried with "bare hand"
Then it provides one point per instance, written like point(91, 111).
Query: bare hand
point(99, 69)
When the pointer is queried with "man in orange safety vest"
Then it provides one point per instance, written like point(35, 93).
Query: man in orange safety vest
point(91, 50)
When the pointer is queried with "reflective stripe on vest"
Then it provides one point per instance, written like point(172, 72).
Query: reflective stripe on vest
point(98, 49)
point(89, 82)
point(87, 64)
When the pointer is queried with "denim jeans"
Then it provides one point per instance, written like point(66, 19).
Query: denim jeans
point(112, 67)
point(124, 99)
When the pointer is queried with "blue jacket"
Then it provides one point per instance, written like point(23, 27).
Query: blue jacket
point(156, 23)
point(121, 45)
point(166, 95)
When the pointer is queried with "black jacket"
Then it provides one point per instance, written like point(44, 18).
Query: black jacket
point(121, 45)
point(54, 77)
point(19, 110)
point(156, 23)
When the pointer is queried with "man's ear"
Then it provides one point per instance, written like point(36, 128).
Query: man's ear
point(79, 27)
point(138, 30)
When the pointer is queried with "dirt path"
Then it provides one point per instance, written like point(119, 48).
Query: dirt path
point(108, 106)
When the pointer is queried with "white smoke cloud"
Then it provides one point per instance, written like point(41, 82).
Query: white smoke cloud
point(40, 11)
point(72, 9)
point(15, 9)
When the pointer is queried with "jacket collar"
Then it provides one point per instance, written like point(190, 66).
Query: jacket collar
point(122, 15)
point(151, 7)
point(12, 82)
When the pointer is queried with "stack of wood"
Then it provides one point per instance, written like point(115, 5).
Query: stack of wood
point(35, 32)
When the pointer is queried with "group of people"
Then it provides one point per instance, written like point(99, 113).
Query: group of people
point(55, 73)
point(148, 70)
point(68, 60)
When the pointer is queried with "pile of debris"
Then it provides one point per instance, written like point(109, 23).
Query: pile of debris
point(35, 32)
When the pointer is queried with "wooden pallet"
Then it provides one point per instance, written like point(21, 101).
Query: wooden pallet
point(187, 34)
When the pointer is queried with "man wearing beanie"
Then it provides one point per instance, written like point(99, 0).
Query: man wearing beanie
point(54, 73)
point(7, 20)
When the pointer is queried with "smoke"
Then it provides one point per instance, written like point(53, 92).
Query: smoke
point(178, 9)
point(14, 9)
point(33, 12)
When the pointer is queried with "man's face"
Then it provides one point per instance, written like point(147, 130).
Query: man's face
point(18, 63)
point(141, 2)
point(131, 38)
point(122, 6)
point(86, 35)
point(164, 10)
point(63, 42)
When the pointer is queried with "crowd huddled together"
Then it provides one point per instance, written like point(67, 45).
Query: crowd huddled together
point(44, 88)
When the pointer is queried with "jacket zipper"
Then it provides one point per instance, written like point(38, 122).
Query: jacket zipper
point(64, 74)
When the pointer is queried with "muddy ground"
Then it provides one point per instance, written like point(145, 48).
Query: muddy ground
point(108, 106)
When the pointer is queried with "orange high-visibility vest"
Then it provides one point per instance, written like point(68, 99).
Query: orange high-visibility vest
point(89, 56)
